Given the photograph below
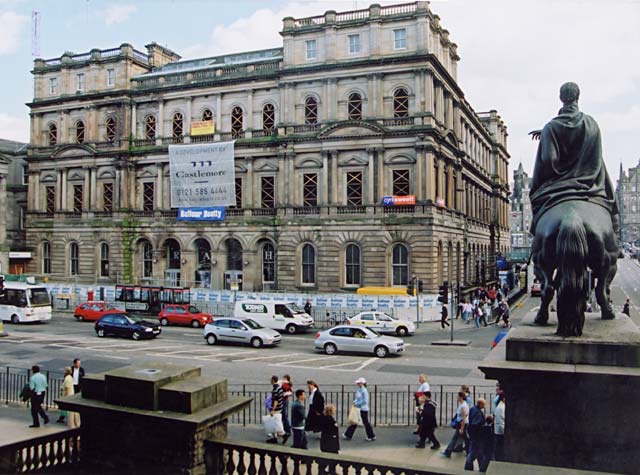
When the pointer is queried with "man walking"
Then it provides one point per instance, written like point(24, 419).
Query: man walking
point(428, 422)
point(38, 385)
point(277, 401)
point(476, 436)
point(298, 421)
point(77, 374)
point(625, 309)
point(443, 317)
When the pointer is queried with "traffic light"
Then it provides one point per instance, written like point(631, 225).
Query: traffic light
point(410, 287)
point(443, 292)
point(420, 287)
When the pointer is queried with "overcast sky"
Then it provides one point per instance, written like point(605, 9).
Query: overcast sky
point(515, 54)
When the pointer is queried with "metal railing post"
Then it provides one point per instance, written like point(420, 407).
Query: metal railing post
point(375, 406)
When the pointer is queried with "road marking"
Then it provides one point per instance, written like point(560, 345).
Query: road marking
point(366, 363)
point(340, 364)
point(304, 361)
point(267, 357)
point(117, 357)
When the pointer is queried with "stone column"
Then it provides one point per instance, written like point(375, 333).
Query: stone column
point(420, 175)
point(429, 91)
point(88, 190)
point(371, 175)
point(291, 194)
point(159, 187)
point(325, 198)
point(336, 190)
point(281, 179)
point(283, 104)
point(332, 101)
point(117, 193)
point(64, 206)
point(218, 112)
point(381, 172)
point(187, 116)
point(430, 176)
point(160, 123)
point(3, 216)
point(59, 190)
point(93, 175)
point(291, 103)
point(63, 132)
point(418, 80)
point(92, 132)
point(324, 116)
point(134, 120)
point(249, 124)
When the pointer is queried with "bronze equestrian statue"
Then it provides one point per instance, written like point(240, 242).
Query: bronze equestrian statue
point(575, 217)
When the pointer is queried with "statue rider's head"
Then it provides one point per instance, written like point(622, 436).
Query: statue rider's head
point(569, 93)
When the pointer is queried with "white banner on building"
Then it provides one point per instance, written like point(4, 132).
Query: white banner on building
point(202, 175)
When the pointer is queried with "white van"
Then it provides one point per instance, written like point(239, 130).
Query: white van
point(278, 315)
point(24, 302)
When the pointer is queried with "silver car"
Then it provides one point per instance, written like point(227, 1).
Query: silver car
point(240, 330)
point(357, 339)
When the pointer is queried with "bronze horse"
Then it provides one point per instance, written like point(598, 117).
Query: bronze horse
point(570, 238)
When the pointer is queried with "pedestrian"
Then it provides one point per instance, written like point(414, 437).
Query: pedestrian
point(307, 307)
point(478, 313)
point(465, 388)
point(428, 422)
point(492, 295)
point(498, 429)
point(423, 388)
point(329, 441)
point(458, 424)
point(316, 408)
point(277, 401)
point(503, 312)
point(486, 313)
point(467, 309)
point(287, 388)
point(78, 374)
point(443, 316)
point(361, 401)
point(496, 399)
point(476, 436)
point(625, 309)
point(298, 420)
point(73, 418)
point(38, 385)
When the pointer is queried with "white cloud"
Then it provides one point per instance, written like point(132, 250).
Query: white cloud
point(118, 13)
point(14, 128)
point(12, 29)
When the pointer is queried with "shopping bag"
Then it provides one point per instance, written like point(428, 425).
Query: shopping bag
point(273, 424)
point(354, 416)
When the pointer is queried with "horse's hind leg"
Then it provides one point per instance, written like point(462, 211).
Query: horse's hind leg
point(545, 276)
point(605, 275)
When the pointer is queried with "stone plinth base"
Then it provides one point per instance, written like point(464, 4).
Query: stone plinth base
point(564, 413)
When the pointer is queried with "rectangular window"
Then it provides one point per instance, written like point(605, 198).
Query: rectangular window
point(400, 38)
point(77, 198)
point(53, 86)
point(80, 81)
point(354, 188)
point(354, 44)
point(107, 197)
point(238, 193)
point(25, 174)
point(111, 77)
point(312, 51)
point(310, 189)
point(148, 196)
point(50, 193)
point(401, 183)
point(268, 191)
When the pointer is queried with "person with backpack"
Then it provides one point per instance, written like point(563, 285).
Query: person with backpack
point(428, 422)
point(476, 432)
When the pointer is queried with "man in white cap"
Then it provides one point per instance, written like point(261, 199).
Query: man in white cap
point(361, 401)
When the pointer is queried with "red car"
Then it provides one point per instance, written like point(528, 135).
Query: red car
point(184, 314)
point(92, 311)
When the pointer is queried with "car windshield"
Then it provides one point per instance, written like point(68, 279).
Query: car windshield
point(194, 309)
point(371, 333)
point(251, 324)
point(132, 320)
point(39, 297)
point(385, 318)
point(295, 308)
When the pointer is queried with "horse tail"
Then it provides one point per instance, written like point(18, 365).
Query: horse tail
point(572, 250)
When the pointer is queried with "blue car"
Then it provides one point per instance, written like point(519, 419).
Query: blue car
point(121, 324)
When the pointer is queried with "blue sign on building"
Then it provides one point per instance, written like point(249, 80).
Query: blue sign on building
point(214, 213)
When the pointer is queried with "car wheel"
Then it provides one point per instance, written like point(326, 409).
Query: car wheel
point(100, 332)
point(402, 331)
point(256, 342)
point(195, 324)
point(211, 339)
point(79, 317)
point(136, 335)
point(164, 322)
point(291, 329)
point(15, 319)
point(381, 351)
point(330, 349)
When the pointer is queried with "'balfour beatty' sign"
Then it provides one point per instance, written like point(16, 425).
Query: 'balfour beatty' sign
point(202, 175)
point(213, 213)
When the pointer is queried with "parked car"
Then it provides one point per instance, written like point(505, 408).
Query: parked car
point(92, 311)
point(240, 330)
point(183, 314)
point(382, 323)
point(536, 289)
point(121, 324)
point(352, 338)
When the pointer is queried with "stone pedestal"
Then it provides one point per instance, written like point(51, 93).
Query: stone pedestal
point(151, 419)
point(571, 402)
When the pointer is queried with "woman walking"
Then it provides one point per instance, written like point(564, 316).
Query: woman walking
point(316, 408)
point(329, 441)
point(73, 418)
point(361, 401)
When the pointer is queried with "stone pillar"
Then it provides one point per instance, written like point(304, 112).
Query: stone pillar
point(290, 195)
point(64, 197)
point(332, 101)
point(381, 171)
point(430, 176)
point(93, 175)
point(159, 186)
point(249, 124)
point(283, 104)
point(3, 217)
point(117, 193)
point(160, 123)
point(291, 103)
point(59, 190)
point(420, 173)
point(134, 120)
point(325, 197)
point(187, 116)
point(418, 80)
point(281, 179)
point(335, 188)
point(371, 176)
point(89, 191)
point(218, 112)
point(324, 116)
point(249, 185)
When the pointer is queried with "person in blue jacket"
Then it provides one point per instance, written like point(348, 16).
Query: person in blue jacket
point(361, 401)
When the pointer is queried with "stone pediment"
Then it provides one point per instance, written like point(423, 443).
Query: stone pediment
point(352, 128)
point(452, 139)
point(266, 167)
point(76, 175)
point(148, 172)
point(106, 173)
point(309, 163)
point(399, 159)
point(74, 150)
point(353, 160)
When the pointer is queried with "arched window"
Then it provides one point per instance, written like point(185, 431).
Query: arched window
point(74, 258)
point(236, 122)
point(46, 257)
point(147, 259)
point(400, 103)
point(308, 264)
point(104, 260)
point(268, 118)
point(354, 106)
point(234, 254)
point(310, 110)
point(177, 126)
point(268, 263)
point(400, 264)
point(150, 127)
point(52, 134)
point(110, 125)
point(203, 268)
point(172, 249)
point(207, 115)
point(79, 132)
point(352, 265)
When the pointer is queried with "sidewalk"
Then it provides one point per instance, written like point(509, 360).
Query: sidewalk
point(15, 422)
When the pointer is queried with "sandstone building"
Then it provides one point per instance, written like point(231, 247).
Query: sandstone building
point(353, 107)
point(521, 215)
point(628, 197)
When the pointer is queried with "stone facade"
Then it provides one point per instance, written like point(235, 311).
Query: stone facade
point(355, 106)
point(520, 221)
point(628, 197)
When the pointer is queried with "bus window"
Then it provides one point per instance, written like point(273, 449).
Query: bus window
point(186, 296)
point(15, 297)
point(136, 294)
point(144, 295)
point(39, 297)
point(118, 293)
point(128, 294)
point(166, 296)
point(177, 296)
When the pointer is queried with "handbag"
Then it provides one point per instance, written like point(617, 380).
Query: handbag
point(455, 423)
point(354, 416)
point(273, 424)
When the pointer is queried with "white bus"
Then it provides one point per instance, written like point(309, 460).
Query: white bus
point(25, 303)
